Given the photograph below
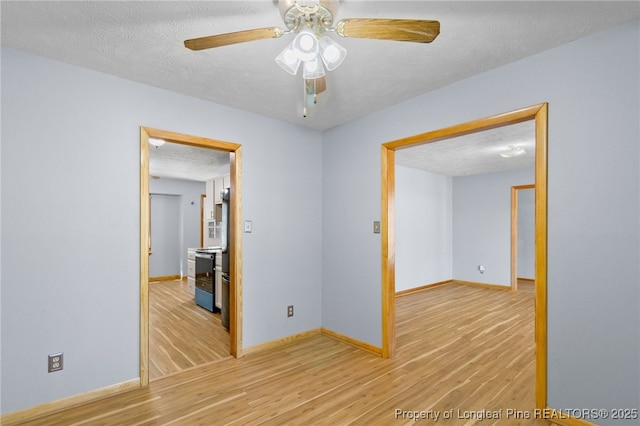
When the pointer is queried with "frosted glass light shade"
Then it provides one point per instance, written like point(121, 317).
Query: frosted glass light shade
point(332, 53)
point(305, 45)
point(313, 69)
point(288, 60)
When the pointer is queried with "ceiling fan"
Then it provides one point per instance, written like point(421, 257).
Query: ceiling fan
point(311, 48)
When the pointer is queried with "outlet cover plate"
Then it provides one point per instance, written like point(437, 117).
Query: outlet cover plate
point(56, 362)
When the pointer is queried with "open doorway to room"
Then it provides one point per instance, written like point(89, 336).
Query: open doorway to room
point(523, 230)
point(168, 310)
point(538, 115)
point(453, 204)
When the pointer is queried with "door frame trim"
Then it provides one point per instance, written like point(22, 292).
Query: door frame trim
point(235, 243)
point(539, 113)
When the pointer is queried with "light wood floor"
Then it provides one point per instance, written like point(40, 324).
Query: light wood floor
point(458, 348)
point(181, 334)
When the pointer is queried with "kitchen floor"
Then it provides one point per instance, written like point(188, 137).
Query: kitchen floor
point(182, 334)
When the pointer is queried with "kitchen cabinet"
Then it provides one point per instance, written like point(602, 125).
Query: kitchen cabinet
point(220, 183)
point(208, 201)
point(191, 271)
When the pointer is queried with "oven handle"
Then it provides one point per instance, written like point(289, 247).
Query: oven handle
point(205, 255)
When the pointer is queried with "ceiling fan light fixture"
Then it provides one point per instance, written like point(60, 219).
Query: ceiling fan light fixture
point(305, 45)
point(513, 151)
point(332, 53)
point(313, 69)
point(288, 60)
point(156, 142)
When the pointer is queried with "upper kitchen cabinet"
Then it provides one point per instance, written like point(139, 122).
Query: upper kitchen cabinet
point(220, 183)
point(208, 205)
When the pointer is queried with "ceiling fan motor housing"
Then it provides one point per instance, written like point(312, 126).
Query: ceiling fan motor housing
point(317, 14)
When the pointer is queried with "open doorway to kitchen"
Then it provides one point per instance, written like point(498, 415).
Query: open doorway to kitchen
point(537, 113)
point(182, 333)
point(146, 238)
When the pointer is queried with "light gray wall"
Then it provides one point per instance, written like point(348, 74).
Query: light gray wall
point(446, 227)
point(70, 171)
point(526, 233)
point(423, 228)
point(65, 127)
point(189, 192)
point(482, 225)
point(594, 186)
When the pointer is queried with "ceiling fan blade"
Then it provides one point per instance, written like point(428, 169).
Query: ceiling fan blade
point(419, 31)
point(233, 38)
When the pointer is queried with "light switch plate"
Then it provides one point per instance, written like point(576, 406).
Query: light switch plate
point(248, 226)
point(376, 227)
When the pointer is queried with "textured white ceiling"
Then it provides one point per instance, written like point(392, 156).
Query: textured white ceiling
point(473, 154)
point(143, 41)
point(178, 161)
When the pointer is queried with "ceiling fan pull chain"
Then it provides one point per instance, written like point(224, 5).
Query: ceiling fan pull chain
point(305, 98)
point(310, 96)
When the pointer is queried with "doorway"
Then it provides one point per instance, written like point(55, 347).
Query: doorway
point(164, 248)
point(235, 243)
point(522, 234)
point(538, 113)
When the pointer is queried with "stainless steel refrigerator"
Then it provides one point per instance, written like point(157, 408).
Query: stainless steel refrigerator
point(226, 252)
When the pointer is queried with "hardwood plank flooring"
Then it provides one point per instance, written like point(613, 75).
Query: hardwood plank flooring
point(460, 350)
point(181, 334)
